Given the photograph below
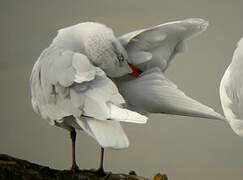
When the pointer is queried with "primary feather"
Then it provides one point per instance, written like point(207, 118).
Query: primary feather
point(152, 92)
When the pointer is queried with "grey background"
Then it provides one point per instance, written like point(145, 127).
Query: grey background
point(183, 147)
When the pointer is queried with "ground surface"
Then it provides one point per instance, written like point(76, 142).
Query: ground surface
point(16, 169)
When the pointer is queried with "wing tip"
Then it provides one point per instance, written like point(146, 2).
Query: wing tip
point(125, 115)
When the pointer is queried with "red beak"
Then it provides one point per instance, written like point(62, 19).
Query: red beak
point(135, 71)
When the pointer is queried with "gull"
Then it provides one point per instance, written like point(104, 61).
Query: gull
point(231, 91)
point(71, 86)
point(88, 79)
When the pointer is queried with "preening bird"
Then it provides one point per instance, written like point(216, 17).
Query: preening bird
point(71, 86)
point(74, 83)
point(231, 91)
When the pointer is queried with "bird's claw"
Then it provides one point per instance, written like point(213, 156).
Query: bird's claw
point(74, 168)
point(100, 172)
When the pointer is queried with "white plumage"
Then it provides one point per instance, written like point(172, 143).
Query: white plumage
point(231, 91)
point(151, 51)
point(67, 80)
point(74, 81)
point(152, 92)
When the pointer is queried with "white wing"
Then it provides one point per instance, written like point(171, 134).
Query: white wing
point(65, 83)
point(152, 92)
point(156, 46)
point(151, 50)
point(231, 91)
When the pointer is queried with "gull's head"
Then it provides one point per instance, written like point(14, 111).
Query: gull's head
point(106, 52)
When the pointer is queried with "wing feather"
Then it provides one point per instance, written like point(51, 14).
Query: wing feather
point(159, 44)
point(152, 92)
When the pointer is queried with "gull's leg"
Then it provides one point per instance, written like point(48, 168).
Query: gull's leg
point(73, 138)
point(101, 171)
point(101, 159)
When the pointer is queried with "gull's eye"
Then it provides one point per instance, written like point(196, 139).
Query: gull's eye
point(120, 57)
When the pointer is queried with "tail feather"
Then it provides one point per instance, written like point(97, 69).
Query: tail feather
point(108, 134)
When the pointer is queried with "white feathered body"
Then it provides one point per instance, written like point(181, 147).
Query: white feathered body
point(66, 81)
point(71, 82)
point(231, 91)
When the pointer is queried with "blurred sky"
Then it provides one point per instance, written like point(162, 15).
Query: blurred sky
point(183, 147)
